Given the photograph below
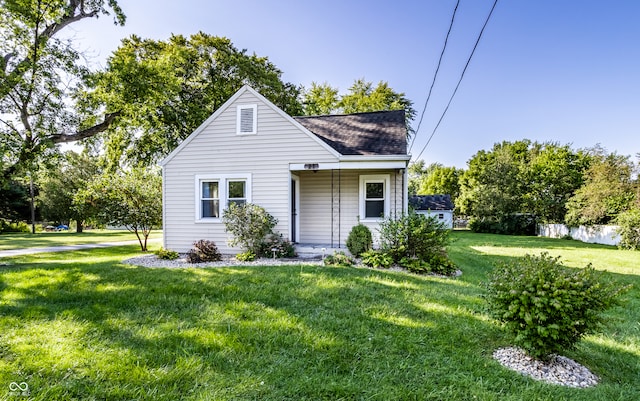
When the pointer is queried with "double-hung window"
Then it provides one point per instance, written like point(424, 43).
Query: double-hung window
point(236, 192)
point(374, 196)
point(214, 193)
point(210, 199)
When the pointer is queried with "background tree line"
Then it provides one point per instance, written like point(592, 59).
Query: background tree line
point(515, 185)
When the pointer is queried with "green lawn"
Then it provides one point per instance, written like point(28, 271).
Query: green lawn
point(83, 326)
point(46, 239)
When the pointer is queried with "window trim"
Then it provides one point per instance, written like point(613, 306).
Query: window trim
point(254, 108)
point(223, 187)
point(386, 180)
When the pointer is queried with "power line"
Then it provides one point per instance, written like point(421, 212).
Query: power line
point(435, 75)
point(460, 80)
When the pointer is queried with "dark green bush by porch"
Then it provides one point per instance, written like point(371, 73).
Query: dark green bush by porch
point(416, 239)
point(547, 306)
point(359, 240)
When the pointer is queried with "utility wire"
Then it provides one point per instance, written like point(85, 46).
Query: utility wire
point(446, 40)
point(460, 80)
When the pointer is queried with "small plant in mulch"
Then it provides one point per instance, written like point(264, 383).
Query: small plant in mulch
point(247, 256)
point(549, 307)
point(166, 254)
point(204, 251)
point(376, 259)
point(339, 259)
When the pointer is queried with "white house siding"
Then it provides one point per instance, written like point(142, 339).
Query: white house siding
point(317, 217)
point(216, 149)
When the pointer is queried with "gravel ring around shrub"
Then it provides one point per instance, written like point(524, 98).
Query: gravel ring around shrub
point(558, 370)
point(154, 261)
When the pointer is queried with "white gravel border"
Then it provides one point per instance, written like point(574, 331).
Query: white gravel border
point(558, 370)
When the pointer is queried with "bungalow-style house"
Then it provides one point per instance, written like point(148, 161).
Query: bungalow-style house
point(317, 175)
point(439, 206)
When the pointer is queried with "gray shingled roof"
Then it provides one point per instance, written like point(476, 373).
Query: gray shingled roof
point(431, 202)
point(374, 133)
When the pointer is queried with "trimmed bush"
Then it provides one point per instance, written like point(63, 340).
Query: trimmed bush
point(204, 251)
point(167, 254)
point(377, 259)
point(548, 307)
point(359, 240)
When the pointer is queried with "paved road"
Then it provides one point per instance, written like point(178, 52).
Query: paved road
point(29, 251)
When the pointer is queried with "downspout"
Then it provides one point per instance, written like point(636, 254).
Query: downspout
point(405, 191)
point(164, 210)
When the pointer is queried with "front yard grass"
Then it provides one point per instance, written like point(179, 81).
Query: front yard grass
point(81, 325)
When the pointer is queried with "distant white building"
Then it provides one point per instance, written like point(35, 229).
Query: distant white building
point(438, 206)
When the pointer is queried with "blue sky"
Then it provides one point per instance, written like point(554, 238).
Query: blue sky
point(546, 70)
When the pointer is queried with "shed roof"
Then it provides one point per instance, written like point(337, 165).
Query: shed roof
point(373, 133)
point(431, 202)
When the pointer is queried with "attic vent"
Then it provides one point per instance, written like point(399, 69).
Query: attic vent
point(247, 121)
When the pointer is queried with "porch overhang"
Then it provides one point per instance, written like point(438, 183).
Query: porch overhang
point(382, 162)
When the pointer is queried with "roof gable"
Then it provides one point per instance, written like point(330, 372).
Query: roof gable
point(367, 134)
point(228, 104)
point(431, 202)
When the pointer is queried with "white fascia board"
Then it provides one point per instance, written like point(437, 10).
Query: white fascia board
point(349, 165)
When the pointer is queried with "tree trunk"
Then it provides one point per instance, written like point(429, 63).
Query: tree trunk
point(79, 226)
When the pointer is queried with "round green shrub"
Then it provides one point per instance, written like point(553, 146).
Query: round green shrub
point(359, 240)
point(549, 307)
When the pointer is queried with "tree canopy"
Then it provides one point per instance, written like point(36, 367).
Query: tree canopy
point(39, 74)
point(164, 89)
point(521, 178)
point(361, 97)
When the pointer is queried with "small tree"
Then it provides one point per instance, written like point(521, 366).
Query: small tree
point(132, 200)
point(547, 306)
point(249, 224)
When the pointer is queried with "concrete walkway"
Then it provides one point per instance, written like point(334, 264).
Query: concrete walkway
point(62, 248)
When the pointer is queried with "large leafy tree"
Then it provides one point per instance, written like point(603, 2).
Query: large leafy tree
point(441, 180)
point(60, 183)
point(164, 90)
point(39, 73)
point(608, 189)
point(362, 96)
point(521, 178)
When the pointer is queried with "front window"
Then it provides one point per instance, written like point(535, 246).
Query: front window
point(210, 199)
point(215, 192)
point(236, 192)
point(374, 200)
point(374, 196)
